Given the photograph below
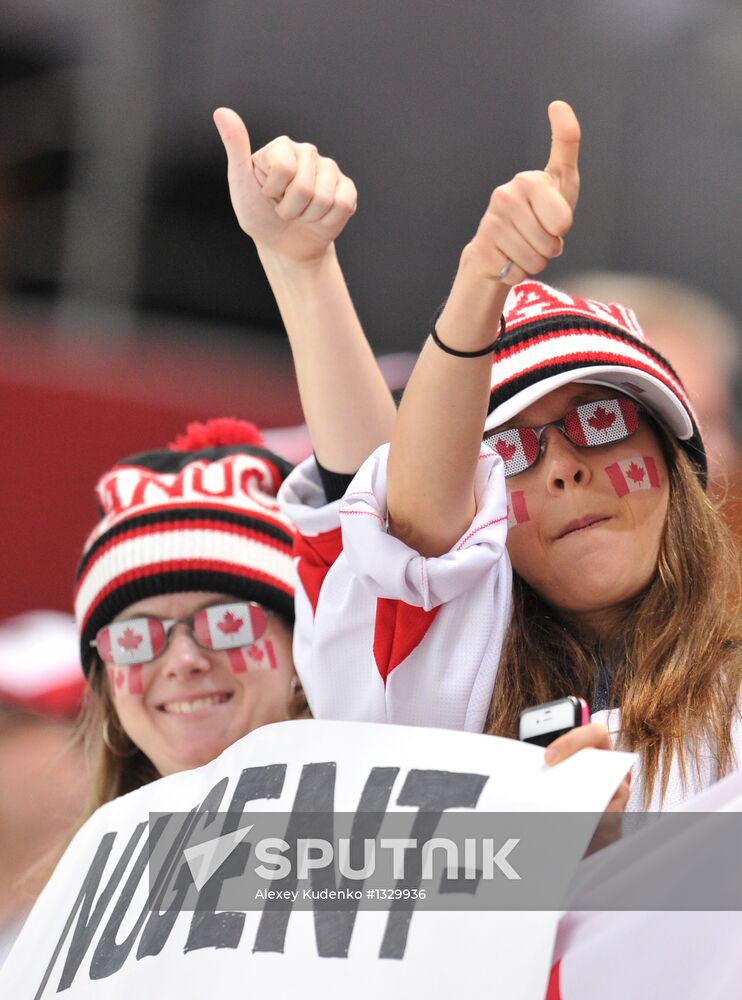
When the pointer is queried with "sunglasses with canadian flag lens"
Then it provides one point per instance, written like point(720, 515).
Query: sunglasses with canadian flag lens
point(220, 626)
point(589, 425)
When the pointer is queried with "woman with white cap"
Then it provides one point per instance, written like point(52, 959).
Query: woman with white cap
point(539, 527)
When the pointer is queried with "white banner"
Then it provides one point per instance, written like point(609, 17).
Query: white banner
point(93, 933)
point(687, 858)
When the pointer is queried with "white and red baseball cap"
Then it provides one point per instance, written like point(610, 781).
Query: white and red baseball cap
point(551, 338)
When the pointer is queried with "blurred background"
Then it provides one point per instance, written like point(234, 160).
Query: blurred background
point(130, 302)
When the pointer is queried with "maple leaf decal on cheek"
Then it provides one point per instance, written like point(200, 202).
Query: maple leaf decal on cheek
point(230, 623)
point(255, 654)
point(634, 473)
point(130, 639)
point(505, 450)
point(601, 420)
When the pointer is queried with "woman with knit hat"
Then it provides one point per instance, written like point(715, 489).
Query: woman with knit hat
point(538, 528)
point(185, 604)
point(185, 590)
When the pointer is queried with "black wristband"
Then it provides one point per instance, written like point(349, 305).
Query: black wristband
point(462, 354)
point(335, 483)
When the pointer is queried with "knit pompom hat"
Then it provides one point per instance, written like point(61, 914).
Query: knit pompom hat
point(551, 338)
point(200, 515)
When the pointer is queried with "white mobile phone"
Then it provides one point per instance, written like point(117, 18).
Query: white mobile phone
point(542, 724)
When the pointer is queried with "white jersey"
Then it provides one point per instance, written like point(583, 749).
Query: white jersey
point(384, 634)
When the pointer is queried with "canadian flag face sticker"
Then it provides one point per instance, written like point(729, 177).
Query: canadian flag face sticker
point(631, 474)
point(518, 448)
point(136, 640)
point(517, 510)
point(259, 656)
point(229, 626)
point(601, 422)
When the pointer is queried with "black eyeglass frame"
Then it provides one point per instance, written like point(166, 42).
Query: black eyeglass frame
point(561, 426)
point(169, 624)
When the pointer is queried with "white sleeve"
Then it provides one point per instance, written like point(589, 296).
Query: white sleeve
point(397, 637)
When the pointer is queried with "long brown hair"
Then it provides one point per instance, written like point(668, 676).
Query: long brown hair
point(117, 765)
point(675, 651)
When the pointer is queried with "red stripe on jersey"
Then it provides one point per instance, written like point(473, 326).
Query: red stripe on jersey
point(398, 630)
point(315, 555)
point(553, 992)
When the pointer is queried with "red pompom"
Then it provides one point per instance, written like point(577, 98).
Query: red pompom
point(217, 433)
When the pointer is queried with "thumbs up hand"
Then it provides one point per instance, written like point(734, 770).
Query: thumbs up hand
point(527, 218)
point(289, 199)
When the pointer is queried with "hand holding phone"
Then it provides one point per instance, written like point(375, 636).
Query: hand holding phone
point(542, 724)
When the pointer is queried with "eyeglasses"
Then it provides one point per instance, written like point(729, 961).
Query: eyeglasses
point(220, 626)
point(589, 425)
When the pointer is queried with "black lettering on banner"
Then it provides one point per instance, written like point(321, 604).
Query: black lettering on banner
point(109, 955)
point(224, 929)
point(87, 925)
point(432, 792)
point(312, 816)
point(315, 795)
point(159, 925)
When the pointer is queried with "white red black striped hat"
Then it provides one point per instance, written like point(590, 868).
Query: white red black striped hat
point(199, 515)
point(551, 338)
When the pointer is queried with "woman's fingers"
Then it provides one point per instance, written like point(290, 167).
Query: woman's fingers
point(543, 236)
point(275, 166)
point(565, 150)
point(621, 796)
point(592, 735)
point(303, 185)
point(525, 222)
point(323, 196)
point(512, 246)
point(550, 209)
point(528, 218)
point(233, 133)
point(300, 189)
point(598, 737)
point(287, 198)
point(345, 202)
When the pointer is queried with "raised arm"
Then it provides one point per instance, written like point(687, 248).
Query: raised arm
point(438, 434)
point(294, 203)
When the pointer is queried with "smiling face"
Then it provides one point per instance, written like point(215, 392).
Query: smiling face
point(185, 707)
point(586, 523)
